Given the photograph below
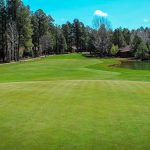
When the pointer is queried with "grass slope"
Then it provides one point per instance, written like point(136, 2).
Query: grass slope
point(69, 67)
point(72, 103)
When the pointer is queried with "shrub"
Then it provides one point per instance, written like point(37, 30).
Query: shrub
point(142, 52)
point(114, 50)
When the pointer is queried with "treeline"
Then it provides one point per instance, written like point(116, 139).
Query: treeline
point(24, 33)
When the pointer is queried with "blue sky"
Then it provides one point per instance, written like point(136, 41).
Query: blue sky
point(125, 13)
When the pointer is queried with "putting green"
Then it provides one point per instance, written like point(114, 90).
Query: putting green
point(94, 109)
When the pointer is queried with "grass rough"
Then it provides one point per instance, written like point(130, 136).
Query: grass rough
point(70, 102)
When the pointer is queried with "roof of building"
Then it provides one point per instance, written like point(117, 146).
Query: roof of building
point(74, 47)
point(125, 49)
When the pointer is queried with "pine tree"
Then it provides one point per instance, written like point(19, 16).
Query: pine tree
point(40, 24)
point(60, 42)
point(13, 7)
point(118, 38)
point(135, 43)
point(67, 32)
point(142, 52)
point(77, 32)
point(127, 36)
point(2, 30)
point(24, 26)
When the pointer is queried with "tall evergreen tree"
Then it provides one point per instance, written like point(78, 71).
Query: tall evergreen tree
point(67, 31)
point(135, 43)
point(118, 38)
point(62, 46)
point(13, 7)
point(77, 33)
point(2, 30)
point(60, 41)
point(127, 36)
point(90, 40)
point(142, 51)
point(40, 22)
point(24, 26)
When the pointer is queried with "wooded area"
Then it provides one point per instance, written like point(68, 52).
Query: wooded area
point(24, 33)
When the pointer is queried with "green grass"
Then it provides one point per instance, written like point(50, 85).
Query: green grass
point(69, 67)
point(70, 102)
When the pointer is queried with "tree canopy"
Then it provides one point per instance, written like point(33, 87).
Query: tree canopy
point(32, 34)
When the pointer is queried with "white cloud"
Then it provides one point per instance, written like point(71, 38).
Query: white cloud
point(146, 20)
point(100, 13)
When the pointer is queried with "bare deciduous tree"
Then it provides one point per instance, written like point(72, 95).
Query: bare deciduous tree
point(98, 21)
point(102, 40)
point(12, 52)
point(45, 44)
